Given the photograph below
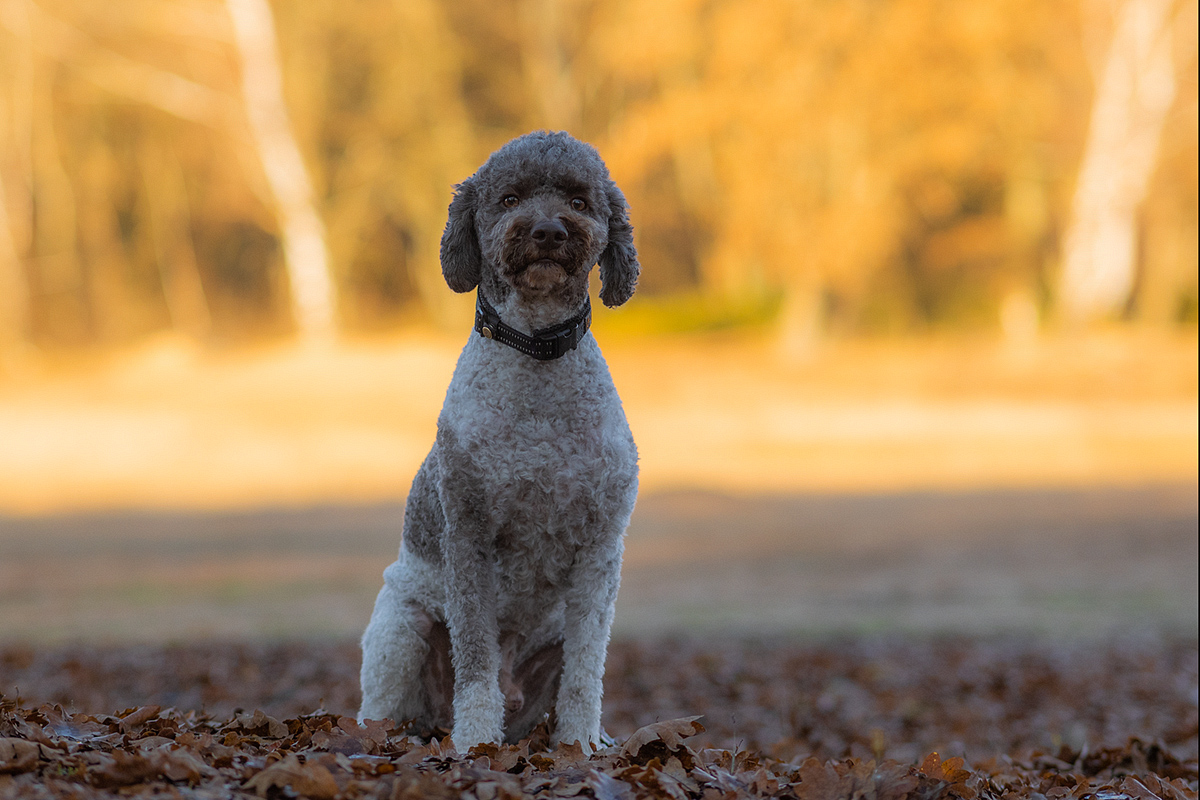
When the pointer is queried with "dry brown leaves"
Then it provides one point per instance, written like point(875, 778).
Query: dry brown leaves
point(49, 751)
point(150, 751)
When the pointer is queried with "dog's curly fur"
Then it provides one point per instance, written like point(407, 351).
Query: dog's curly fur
point(499, 607)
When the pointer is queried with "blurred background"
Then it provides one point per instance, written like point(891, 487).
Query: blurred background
point(914, 347)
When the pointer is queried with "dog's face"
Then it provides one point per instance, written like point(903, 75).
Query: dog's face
point(541, 232)
point(534, 219)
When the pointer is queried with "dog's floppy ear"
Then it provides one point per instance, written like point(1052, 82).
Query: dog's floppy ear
point(619, 262)
point(462, 260)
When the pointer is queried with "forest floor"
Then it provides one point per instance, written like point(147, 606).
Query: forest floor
point(854, 718)
point(988, 644)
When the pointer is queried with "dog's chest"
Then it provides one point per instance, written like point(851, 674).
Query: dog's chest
point(553, 454)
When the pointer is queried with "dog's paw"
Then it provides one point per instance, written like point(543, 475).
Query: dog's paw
point(606, 739)
point(590, 740)
point(467, 736)
point(478, 716)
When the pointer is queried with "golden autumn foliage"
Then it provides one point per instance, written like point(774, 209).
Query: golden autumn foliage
point(834, 166)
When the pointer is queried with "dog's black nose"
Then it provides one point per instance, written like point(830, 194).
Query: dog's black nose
point(549, 234)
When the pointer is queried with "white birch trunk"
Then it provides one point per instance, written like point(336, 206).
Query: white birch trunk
point(1134, 92)
point(305, 249)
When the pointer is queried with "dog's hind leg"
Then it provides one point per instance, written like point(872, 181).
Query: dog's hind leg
point(395, 649)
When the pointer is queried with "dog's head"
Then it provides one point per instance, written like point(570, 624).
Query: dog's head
point(534, 219)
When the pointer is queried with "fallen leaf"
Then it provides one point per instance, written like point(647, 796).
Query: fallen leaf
point(309, 780)
point(662, 739)
point(177, 763)
point(606, 787)
point(260, 724)
point(137, 717)
point(18, 755)
point(120, 768)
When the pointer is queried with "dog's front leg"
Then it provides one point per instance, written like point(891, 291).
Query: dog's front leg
point(595, 578)
point(468, 553)
point(475, 650)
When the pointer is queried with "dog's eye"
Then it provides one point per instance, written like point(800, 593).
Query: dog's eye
point(579, 204)
point(510, 200)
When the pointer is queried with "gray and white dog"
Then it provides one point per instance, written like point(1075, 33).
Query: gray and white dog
point(498, 609)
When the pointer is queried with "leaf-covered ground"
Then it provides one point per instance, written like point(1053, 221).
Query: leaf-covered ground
point(833, 719)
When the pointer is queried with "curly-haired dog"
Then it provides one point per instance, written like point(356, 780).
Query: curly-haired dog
point(499, 607)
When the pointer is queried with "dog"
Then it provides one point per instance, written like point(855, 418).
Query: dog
point(497, 612)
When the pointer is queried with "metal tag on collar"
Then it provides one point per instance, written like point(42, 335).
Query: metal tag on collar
point(485, 326)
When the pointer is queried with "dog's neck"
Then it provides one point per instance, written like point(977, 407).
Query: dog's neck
point(545, 343)
point(529, 315)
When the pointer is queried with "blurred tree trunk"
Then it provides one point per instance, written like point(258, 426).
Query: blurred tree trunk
point(14, 288)
point(1134, 90)
point(547, 65)
point(1026, 216)
point(800, 318)
point(54, 250)
point(16, 176)
point(304, 243)
point(171, 230)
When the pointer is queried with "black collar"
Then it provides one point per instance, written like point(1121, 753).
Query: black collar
point(544, 344)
